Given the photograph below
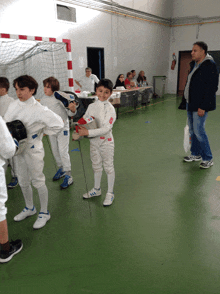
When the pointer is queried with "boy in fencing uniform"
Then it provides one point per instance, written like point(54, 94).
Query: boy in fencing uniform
point(5, 101)
point(60, 141)
point(37, 120)
point(7, 150)
point(101, 140)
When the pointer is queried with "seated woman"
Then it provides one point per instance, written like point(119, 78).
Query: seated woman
point(142, 80)
point(120, 81)
point(128, 83)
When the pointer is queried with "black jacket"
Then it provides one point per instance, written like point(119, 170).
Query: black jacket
point(119, 84)
point(203, 86)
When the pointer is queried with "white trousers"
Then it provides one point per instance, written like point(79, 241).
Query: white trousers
point(102, 155)
point(30, 164)
point(3, 195)
point(13, 163)
point(60, 148)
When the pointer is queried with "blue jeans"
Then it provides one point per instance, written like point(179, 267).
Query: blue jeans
point(199, 140)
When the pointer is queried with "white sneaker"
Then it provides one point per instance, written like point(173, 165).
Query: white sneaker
point(206, 164)
point(191, 158)
point(94, 192)
point(26, 212)
point(42, 220)
point(109, 199)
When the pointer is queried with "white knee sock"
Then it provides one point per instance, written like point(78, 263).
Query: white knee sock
point(111, 181)
point(28, 196)
point(43, 195)
point(68, 173)
point(97, 179)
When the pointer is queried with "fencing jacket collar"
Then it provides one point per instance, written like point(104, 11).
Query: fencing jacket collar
point(31, 100)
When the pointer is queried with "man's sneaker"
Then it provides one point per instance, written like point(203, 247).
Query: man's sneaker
point(13, 183)
point(108, 199)
point(15, 247)
point(92, 193)
point(206, 164)
point(26, 212)
point(59, 174)
point(192, 158)
point(42, 220)
point(66, 182)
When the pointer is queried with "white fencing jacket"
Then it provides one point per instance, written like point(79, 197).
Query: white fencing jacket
point(7, 145)
point(57, 106)
point(5, 101)
point(105, 116)
point(36, 118)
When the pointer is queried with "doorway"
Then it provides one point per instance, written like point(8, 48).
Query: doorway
point(95, 60)
point(183, 69)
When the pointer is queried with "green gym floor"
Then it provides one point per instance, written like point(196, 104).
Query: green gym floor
point(160, 236)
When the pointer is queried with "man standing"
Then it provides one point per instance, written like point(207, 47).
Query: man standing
point(200, 95)
point(134, 81)
point(87, 82)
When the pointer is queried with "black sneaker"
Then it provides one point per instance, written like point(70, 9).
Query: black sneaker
point(15, 247)
point(192, 158)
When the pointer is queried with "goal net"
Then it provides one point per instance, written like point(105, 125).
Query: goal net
point(37, 59)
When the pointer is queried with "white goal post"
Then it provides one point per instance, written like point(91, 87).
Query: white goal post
point(38, 57)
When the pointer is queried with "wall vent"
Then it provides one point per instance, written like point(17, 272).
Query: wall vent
point(66, 13)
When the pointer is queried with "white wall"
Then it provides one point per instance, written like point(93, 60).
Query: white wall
point(128, 43)
point(202, 8)
point(162, 8)
point(27, 17)
point(145, 45)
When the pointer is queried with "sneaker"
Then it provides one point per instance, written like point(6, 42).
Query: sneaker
point(192, 158)
point(206, 164)
point(42, 220)
point(108, 199)
point(92, 193)
point(59, 174)
point(13, 183)
point(66, 182)
point(26, 212)
point(15, 247)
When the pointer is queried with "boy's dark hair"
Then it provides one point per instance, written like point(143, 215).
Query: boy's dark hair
point(106, 83)
point(119, 77)
point(26, 81)
point(53, 83)
point(202, 45)
point(133, 70)
point(4, 83)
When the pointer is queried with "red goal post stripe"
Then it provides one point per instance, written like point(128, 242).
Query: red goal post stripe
point(38, 38)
